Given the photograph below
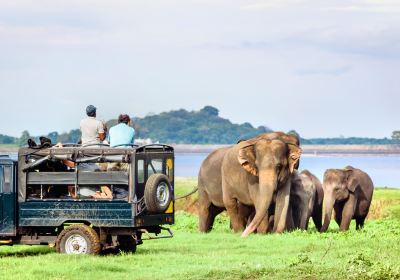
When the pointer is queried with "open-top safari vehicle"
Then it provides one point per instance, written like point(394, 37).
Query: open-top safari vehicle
point(42, 198)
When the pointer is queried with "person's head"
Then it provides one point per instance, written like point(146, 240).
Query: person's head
point(124, 118)
point(91, 111)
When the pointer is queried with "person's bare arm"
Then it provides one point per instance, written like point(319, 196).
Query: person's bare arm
point(107, 192)
point(102, 136)
point(102, 129)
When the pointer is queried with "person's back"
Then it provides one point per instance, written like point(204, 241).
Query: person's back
point(92, 130)
point(122, 133)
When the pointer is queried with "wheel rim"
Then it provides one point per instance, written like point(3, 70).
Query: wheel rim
point(76, 244)
point(162, 194)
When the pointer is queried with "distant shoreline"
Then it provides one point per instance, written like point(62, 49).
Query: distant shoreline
point(311, 150)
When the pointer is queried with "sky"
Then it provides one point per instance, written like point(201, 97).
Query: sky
point(323, 68)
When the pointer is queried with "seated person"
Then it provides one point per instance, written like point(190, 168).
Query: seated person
point(91, 192)
point(118, 135)
point(122, 133)
point(36, 192)
point(120, 192)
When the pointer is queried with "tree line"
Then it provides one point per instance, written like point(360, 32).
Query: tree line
point(196, 127)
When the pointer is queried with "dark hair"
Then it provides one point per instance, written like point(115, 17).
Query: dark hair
point(123, 118)
point(91, 114)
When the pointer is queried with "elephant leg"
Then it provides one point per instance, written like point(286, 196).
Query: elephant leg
point(317, 216)
point(231, 206)
point(348, 213)
point(246, 213)
point(281, 207)
point(360, 223)
point(338, 213)
point(205, 217)
point(213, 212)
point(289, 221)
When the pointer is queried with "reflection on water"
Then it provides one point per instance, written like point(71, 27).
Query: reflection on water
point(384, 170)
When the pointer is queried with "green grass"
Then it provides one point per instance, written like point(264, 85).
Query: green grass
point(9, 146)
point(372, 253)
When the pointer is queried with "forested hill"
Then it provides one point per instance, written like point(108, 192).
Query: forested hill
point(194, 127)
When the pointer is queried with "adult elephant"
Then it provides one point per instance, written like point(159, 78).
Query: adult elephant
point(253, 172)
point(211, 201)
point(306, 196)
point(348, 191)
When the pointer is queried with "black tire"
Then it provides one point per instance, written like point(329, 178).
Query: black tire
point(157, 193)
point(78, 239)
point(127, 243)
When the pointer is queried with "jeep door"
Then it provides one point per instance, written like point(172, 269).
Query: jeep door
point(7, 200)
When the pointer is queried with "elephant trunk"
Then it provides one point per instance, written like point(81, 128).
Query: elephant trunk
point(267, 185)
point(328, 201)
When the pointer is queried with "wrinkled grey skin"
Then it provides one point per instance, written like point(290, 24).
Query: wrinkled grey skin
point(251, 173)
point(319, 198)
point(210, 189)
point(305, 201)
point(349, 192)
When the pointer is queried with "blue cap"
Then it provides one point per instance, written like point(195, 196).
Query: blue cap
point(90, 109)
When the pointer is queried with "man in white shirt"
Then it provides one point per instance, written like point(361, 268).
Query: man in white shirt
point(92, 130)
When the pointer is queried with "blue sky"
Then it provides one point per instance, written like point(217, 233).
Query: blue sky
point(324, 68)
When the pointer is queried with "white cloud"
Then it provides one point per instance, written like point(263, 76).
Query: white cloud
point(370, 6)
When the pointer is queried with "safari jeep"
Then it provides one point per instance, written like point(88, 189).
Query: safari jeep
point(43, 198)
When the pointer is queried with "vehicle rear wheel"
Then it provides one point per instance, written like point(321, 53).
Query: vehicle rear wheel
point(157, 193)
point(127, 243)
point(78, 239)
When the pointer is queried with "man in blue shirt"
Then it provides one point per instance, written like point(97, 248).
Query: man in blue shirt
point(122, 133)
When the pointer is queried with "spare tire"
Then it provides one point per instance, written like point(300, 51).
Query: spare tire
point(157, 193)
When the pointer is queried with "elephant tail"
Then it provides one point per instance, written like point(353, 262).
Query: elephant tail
point(188, 194)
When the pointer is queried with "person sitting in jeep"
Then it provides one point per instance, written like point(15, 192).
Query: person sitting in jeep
point(102, 192)
point(92, 130)
point(121, 134)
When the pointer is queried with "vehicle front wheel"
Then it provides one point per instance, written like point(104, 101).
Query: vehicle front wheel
point(78, 239)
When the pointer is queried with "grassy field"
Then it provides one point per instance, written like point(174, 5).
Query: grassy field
point(8, 147)
point(372, 253)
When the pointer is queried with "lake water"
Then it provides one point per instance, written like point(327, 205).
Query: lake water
point(384, 170)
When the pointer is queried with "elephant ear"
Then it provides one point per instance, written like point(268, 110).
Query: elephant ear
point(352, 182)
point(247, 156)
point(294, 157)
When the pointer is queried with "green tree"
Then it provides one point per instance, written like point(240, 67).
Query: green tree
point(5, 139)
point(396, 135)
point(74, 136)
point(63, 138)
point(210, 110)
point(23, 140)
point(53, 136)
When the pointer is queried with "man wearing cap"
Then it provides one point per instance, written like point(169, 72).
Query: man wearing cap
point(92, 129)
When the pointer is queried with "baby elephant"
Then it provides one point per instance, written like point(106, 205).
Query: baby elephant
point(348, 191)
point(306, 196)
